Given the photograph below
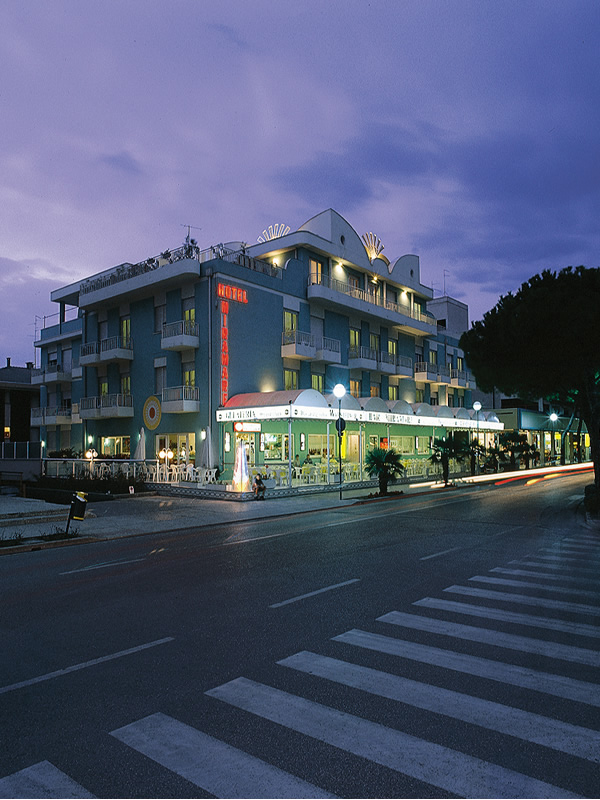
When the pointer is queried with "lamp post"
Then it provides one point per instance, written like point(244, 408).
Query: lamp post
point(477, 409)
point(553, 418)
point(91, 454)
point(339, 391)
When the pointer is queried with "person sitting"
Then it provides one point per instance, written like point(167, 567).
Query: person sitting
point(308, 459)
point(258, 487)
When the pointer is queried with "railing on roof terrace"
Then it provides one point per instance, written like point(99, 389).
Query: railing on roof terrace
point(371, 297)
point(126, 271)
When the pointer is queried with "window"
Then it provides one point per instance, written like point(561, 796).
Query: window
point(290, 379)
point(189, 310)
point(403, 444)
point(450, 400)
point(188, 375)
point(419, 395)
point(375, 390)
point(354, 338)
point(126, 383)
point(290, 321)
point(374, 341)
point(125, 331)
point(316, 271)
point(317, 446)
point(160, 379)
point(103, 386)
point(433, 357)
point(160, 317)
point(422, 444)
point(114, 446)
point(460, 363)
point(392, 347)
point(354, 284)
point(318, 382)
point(354, 388)
point(392, 392)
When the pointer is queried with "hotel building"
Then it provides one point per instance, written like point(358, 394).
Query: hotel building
point(241, 342)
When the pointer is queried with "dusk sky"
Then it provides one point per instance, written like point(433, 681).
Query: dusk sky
point(464, 132)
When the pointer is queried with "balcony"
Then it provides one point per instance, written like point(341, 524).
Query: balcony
point(328, 351)
point(115, 348)
point(107, 406)
point(181, 335)
point(362, 358)
point(181, 400)
point(52, 415)
point(51, 373)
point(338, 294)
point(426, 372)
point(387, 363)
point(458, 377)
point(296, 344)
point(404, 367)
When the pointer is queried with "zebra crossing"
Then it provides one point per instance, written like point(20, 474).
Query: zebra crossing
point(434, 638)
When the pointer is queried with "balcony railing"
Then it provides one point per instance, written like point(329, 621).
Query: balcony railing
point(374, 298)
point(363, 353)
point(184, 327)
point(106, 405)
point(298, 337)
point(175, 393)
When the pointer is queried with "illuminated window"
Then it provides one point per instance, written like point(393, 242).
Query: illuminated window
point(374, 341)
point(392, 347)
point(433, 357)
point(355, 388)
point(102, 386)
point(354, 337)
point(419, 395)
point(126, 384)
point(290, 379)
point(115, 446)
point(316, 271)
point(404, 444)
point(460, 363)
point(189, 310)
point(125, 331)
point(317, 382)
point(375, 390)
point(189, 376)
point(392, 392)
point(290, 321)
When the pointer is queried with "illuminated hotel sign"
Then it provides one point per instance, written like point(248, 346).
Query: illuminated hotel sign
point(226, 294)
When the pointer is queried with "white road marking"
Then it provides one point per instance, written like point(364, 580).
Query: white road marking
point(441, 553)
point(523, 599)
point(312, 594)
point(533, 585)
point(525, 725)
point(212, 765)
point(42, 780)
point(496, 638)
point(84, 665)
point(432, 763)
point(487, 612)
point(103, 565)
point(524, 677)
point(529, 573)
point(561, 567)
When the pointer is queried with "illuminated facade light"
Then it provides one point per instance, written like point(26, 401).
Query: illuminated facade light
point(274, 232)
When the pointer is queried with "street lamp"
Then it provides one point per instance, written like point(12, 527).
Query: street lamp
point(477, 409)
point(553, 418)
point(339, 391)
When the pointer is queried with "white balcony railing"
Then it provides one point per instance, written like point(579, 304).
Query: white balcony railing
point(184, 327)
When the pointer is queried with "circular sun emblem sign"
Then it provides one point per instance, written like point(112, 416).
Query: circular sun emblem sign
point(152, 412)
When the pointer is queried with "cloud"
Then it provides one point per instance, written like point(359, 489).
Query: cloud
point(122, 162)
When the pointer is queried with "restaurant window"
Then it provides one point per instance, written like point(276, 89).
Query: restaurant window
point(276, 446)
point(405, 445)
point(317, 446)
point(115, 446)
point(392, 392)
point(290, 321)
point(290, 379)
point(316, 271)
point(354, 388)
point(422, 444)
point(318, 382)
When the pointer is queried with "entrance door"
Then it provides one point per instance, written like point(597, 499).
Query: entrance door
point(248, 439)
point(352, 453)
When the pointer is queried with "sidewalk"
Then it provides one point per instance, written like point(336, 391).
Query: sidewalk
point(142, 514)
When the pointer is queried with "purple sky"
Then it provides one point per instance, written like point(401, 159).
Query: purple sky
point(465, 132)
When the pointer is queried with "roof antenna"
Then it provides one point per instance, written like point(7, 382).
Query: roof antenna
point(189, 227)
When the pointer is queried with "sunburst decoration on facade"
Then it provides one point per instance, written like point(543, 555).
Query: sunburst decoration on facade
point(374, 247)
point(274, 232)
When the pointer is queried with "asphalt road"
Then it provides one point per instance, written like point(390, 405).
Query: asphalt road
point(426, 646)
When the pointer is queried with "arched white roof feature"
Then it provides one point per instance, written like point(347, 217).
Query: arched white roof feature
point(348, 401)
point(373, 404)
point(400, 407)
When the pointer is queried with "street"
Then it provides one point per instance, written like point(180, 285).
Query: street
point(434, 645)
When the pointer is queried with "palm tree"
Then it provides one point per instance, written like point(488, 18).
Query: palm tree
point(385, 464)
point(443, 450)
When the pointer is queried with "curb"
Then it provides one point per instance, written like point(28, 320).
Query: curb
point(41, 545)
